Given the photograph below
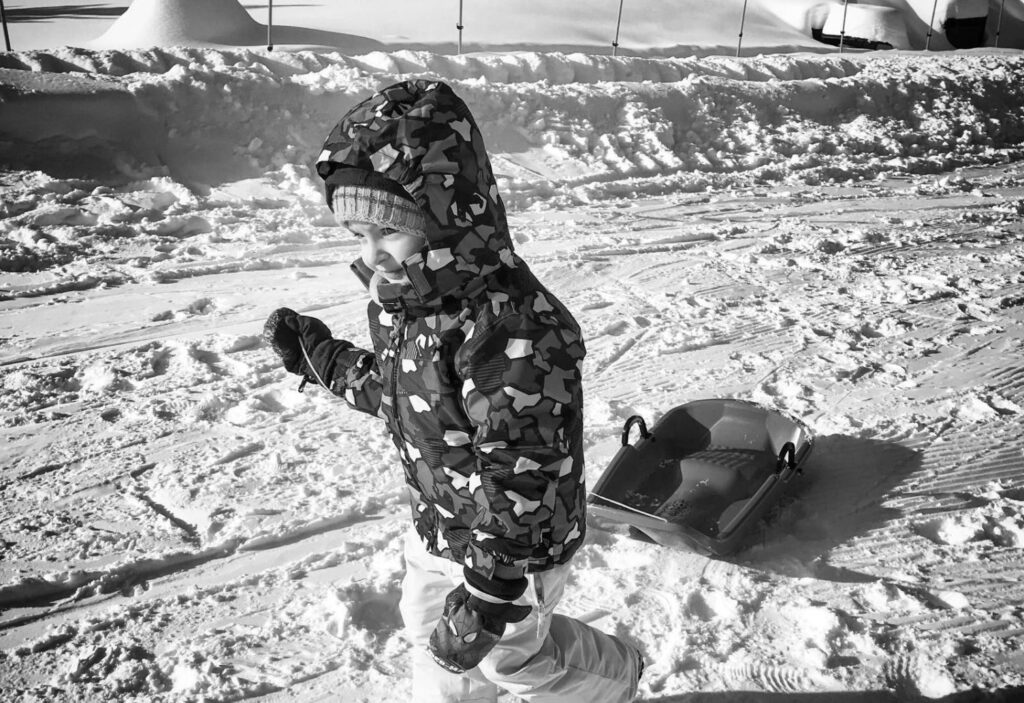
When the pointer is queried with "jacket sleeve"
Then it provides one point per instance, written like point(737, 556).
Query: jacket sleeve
point(522, 394)
point(347, 371)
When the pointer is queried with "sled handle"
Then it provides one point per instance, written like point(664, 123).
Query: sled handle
point(634, 420)
point(787, 458)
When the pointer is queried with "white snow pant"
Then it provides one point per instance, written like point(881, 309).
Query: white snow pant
point(544, 658)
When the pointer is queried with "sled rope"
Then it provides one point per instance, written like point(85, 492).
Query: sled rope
point(629, 507)
point(309, 363)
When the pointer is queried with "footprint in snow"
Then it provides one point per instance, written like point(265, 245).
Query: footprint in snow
point(616, 328)
point(363, 608)
point(203, 306)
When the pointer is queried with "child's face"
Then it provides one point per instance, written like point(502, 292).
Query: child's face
point(384, 249)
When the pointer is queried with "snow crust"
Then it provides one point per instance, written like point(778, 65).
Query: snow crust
point(565, 127)
point(838, 237)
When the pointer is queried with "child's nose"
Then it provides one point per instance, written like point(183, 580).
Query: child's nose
point(373, 252)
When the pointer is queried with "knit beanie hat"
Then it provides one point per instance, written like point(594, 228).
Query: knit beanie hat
point(361, 195)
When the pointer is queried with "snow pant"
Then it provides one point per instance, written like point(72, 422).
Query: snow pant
point(545, 658)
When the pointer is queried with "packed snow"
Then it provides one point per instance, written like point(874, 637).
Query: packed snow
point(837, 236)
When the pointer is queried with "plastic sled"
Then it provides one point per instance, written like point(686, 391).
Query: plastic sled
point(703, 475)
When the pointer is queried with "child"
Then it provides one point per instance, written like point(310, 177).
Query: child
point(475, 370)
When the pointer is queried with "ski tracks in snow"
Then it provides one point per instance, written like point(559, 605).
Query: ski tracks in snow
point(181, 522)
point(888, 320)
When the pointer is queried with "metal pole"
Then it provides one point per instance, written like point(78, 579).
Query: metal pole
point(270, 24)
point(3, 20)
point(459, 26)
point(618, 23)
point(842, 30)
point(998, 25)
point(928, 41)
point(743, 21)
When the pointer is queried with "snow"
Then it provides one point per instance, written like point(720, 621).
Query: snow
point(836, 236)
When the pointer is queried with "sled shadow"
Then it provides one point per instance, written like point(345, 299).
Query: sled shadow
point(1003, 695)
point(841, 495)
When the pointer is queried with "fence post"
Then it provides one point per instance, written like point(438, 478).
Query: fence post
point(998, 25)
point(618, 23)
point(3, 20)
point(458, 26)
point(842, 29)
point(270, 24)
point(743, 21)
point(928, 41)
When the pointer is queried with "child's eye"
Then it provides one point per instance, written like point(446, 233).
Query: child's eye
point(387, 232)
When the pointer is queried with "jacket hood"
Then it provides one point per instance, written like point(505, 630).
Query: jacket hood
point(422, 136)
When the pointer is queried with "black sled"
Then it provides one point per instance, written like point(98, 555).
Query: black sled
point(703, 475)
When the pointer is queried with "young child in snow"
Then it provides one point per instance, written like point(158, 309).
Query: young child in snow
point(475, 370)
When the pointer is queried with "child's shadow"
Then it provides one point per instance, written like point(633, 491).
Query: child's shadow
point(841, 495)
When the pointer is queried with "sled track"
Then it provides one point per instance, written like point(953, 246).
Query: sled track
point(964, 460)
point(1009, 381)
point(995, 589)
point(953, 470)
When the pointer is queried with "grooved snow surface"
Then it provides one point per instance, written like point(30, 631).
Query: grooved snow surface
point(839, 238)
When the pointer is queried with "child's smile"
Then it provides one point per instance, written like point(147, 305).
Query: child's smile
point(383, 249)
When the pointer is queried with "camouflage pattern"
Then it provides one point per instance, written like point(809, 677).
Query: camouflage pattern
point(475, 366)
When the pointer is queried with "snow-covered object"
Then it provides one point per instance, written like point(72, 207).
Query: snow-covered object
point(816, 16)
point(881, 25)
point(809, 15)
point(946, 9)
point(966, 9)
point(805, 15)
point(181, 22)
point(939, 24)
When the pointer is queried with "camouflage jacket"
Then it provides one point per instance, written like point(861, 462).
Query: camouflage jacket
point(475, 366)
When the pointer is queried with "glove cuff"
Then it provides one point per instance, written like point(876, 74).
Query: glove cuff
point(493, 590)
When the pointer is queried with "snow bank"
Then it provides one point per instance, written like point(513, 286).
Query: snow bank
point(569, 124)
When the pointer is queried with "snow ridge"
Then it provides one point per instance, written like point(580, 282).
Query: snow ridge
point(566, 125)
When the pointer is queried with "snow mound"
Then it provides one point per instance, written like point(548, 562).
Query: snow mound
point(177, 22)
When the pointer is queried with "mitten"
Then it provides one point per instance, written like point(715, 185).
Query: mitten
point(469, 628)
point(292, 336)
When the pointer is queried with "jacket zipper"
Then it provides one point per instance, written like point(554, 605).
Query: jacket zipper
point(397, 338)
